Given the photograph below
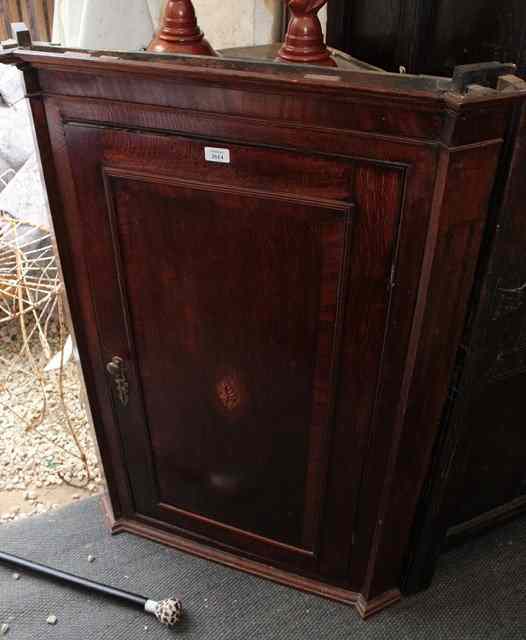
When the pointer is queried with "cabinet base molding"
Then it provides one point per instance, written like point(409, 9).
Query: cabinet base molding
point(367, 608)
point(500, 515)
point(309, 585)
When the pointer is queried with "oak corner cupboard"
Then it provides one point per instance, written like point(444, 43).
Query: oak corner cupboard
point(268, 269)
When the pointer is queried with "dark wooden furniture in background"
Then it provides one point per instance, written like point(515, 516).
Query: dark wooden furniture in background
point(479, 472)
point(36, 14)
point(478, 478)
point(429, 36)
point(268, 269)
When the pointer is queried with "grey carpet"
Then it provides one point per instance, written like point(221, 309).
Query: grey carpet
point(479, 592)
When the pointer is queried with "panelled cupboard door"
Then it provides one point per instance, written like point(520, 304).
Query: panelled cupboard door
point(221, 307)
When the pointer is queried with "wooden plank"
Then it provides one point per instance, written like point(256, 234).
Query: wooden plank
point(37, 15)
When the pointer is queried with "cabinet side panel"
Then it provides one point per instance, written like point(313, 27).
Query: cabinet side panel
point(486, 477)
point(460, 223)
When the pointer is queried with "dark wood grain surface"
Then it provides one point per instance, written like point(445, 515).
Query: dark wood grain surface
point(287, 320)
point(429, 36)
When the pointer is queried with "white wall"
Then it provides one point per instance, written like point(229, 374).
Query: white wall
point(105, 24)
point(129, 24)
point(233, 23)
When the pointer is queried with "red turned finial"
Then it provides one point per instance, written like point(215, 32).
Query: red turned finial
point(179, 32)
point(304, 40)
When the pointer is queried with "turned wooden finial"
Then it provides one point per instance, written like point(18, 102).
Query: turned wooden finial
point(179, 32)
point(304, 41)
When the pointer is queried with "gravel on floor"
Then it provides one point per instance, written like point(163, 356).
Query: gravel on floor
point(30, 461)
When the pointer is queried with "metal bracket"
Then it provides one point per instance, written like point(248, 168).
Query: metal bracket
point(485, 74)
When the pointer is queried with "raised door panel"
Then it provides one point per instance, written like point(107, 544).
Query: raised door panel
point(233, 319)
point(233, 293)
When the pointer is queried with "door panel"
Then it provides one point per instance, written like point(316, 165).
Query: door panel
point(233, 344)
point(228, 294)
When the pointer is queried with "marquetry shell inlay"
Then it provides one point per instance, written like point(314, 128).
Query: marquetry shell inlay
point(229, 393)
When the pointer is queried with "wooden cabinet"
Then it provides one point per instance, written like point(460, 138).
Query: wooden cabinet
point(268, 269)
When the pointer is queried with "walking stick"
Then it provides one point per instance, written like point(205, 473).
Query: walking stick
point(168, 612)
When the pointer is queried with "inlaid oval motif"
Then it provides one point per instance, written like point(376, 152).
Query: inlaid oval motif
point(230, 394)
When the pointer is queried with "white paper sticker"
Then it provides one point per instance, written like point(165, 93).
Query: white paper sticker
point(213, 154)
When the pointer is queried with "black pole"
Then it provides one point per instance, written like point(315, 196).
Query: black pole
point(63, 576)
